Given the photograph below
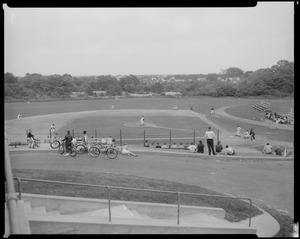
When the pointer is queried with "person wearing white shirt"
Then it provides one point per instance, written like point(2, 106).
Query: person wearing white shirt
point(210, 135)
point(109, 140)
point(228, 150)
point(238, 131)
point(192, 148)
point(142, 121)
point(267, 149)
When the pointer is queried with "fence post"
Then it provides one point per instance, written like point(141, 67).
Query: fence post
point(109, 209)
point(194, 137)
point(170, 139)
point(144, 137)
point(95, 133)
point(178, 207)
point(121, 137)
point(217, 135)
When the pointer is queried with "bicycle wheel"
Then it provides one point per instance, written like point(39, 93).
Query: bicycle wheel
point(94, 151)
point(54, 144)
point(111, 153)
point(80, 149)
point(61, 148)
point(73, 152)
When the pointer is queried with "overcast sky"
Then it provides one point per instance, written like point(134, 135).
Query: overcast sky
point(103, 41)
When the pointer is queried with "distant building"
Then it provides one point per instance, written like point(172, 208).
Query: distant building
point(77, 94)
point(233, 80)
point(139, 95)
point(173, 93)
point(99, 93)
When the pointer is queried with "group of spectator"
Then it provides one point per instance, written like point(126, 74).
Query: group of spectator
point(281, 119)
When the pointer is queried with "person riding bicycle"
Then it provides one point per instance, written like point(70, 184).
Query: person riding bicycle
point(30, 139)
point(68, 139)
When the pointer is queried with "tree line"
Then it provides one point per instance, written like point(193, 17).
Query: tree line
point(278, 81)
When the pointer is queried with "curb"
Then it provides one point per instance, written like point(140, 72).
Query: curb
point(178, 154)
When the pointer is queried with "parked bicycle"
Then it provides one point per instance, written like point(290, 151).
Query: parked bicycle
point(96, 150)
point(81, 148)
point(62, 148)
point(55, 143)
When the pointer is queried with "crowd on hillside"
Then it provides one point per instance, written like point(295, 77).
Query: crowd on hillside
point(281, 119)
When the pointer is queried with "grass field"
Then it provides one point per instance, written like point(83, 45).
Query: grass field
point(97, 114)
point(97, 118)
point(202, 105)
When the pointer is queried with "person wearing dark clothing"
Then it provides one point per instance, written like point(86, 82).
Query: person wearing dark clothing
point(252, 134)
point(210, 135)
point(68, 139)
point(200, 147)
point(219, 147)
point(30, 139)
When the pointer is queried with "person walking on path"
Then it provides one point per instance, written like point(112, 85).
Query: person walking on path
point(68, 141)
point(252, 134)
point(210, 135)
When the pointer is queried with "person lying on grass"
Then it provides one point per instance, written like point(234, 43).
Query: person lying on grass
point(126, 151)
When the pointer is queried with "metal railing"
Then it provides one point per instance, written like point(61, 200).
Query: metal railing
point(109, 189)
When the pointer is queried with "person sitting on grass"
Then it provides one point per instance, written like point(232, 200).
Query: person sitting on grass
point(278, 151)
point(229, 150)
point(219, 147)
point(157, 146)
point(200, 147)
point(192, 148)
point(267, 149)
point(181, 146)
point(146, 144)
point(186, 146)
point(125, 151)
point(164, 146)
point(174, 146)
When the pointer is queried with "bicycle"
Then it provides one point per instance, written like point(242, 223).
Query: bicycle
point(36, 143)
point(81, 148)
point(55, 143)
point(96, 150)
point(62, 146)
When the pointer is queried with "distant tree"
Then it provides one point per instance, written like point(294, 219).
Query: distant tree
point(233, 72)
point(89, 90)
point(157, 88)
point(9, 78)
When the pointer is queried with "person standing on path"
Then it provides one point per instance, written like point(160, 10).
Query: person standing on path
point(210, 135)
point(68, 139)
point(52, 131)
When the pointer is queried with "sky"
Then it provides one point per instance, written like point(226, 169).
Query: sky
point(141, 41)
